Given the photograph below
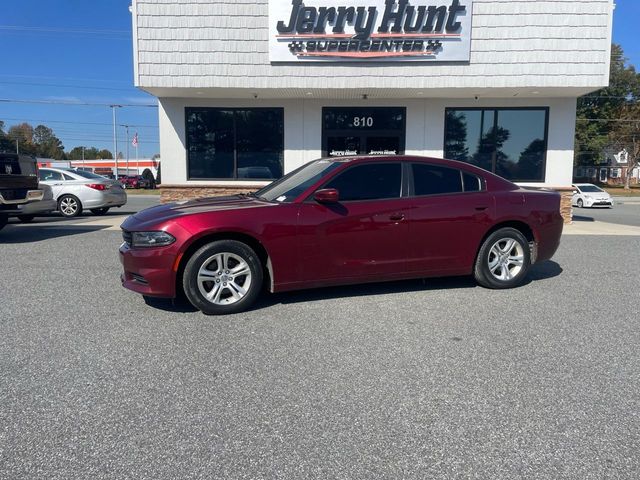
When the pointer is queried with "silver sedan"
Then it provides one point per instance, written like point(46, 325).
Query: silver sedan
point(78, 190)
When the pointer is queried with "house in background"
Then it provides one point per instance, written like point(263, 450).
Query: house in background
point(612, 171)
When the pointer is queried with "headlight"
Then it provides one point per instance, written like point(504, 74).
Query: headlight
point(151, 239)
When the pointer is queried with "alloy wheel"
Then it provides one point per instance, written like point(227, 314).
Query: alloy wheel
point(69, 206)
point(224, 278)
point(506, 259)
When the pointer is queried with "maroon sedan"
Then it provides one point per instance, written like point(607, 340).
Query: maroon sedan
point(342, 221)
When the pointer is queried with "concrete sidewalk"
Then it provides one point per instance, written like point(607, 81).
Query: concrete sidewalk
point(600, 228)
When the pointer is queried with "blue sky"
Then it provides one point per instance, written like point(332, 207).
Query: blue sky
point(81, 51)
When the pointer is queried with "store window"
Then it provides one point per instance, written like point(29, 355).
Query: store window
point(235, 143)
point(511, 142)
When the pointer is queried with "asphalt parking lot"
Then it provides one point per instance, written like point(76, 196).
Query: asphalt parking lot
point(433, 379)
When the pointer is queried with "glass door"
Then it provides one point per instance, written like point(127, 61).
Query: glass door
point(348, 131)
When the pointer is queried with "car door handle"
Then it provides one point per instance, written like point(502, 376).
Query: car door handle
point(481, 209)
point(396, 217)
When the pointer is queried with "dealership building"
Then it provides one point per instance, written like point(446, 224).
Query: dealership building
point(249, 90)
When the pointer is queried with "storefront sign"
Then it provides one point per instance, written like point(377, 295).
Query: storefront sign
point(370, 30)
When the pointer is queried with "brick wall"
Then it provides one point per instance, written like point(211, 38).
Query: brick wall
point(177, 193)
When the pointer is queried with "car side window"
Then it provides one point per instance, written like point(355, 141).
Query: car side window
point(371, 181)
point(434, 180)
point(50, 175)
point(471, 182)
point(67, 177)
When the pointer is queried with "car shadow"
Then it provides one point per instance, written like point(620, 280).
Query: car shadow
point(38, 233)
point(582, 218)
point(542, 271)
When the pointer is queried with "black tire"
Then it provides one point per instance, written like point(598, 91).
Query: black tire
point(222, 284)
point(499, 271)
point(100, 211)
point(580, 203)
point(26, 218)
point(4, 219)
point(69, 200)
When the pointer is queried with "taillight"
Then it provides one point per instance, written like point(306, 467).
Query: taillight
point(97, 186)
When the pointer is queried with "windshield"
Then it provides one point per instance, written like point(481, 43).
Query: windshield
point(590, 189)
point(289, 187)
point(85, 174)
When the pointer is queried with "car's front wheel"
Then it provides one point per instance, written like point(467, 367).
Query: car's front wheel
point(580, 203)
point(503, 260)
point(69, 206)
point(223, 277)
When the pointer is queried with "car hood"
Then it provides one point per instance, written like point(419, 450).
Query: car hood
point(203, 205)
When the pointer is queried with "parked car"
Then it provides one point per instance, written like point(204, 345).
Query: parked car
point(18, 185)
point(342, 221)
point(134, 181)
point(589, 195)
point(75, 191)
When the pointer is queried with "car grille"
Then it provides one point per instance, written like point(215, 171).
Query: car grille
point(14, 194)
point(127, 237)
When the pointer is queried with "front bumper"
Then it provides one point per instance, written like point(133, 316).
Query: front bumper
point(149, 271)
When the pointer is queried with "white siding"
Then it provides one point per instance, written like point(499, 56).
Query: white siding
point(515, 44)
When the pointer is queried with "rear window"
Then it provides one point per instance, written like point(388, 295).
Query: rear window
point(434, 180)
point(89, 175)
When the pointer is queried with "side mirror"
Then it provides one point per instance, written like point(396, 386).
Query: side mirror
point(327, 195)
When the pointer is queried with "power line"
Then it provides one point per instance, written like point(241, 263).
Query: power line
point(69, 86)
point(17, 119)
point(83, 31)
point(80, 104)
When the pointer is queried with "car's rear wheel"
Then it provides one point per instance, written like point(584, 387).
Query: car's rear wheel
point(26, 218)
point(503, 260)
point(223, 277)
point(69, 206)
point(100, 211)
point(580, 203)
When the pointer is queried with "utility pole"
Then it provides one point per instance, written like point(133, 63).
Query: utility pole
point(127, 129)
point(17, 146)
point(83, 158)
point(115, 138)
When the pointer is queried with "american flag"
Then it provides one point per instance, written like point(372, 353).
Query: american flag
point(134, 142)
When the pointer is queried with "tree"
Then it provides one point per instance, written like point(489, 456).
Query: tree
point(626, 136)
point(159, 175)
point(105, 154)
point(23, 135)
point(90, 153)
point(156, 156)
point(597, 112)
point(47, 144)
point(5, 142)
